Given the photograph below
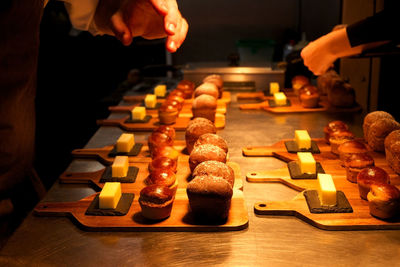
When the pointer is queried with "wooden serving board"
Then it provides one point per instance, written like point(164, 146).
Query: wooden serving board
point(180, 124)
point(278, 150)
point(226, 98)
point(183, 176)
point(259, 95)
point(181, 218)
point(101, 154)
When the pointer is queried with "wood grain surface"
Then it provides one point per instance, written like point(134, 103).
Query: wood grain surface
point(226, 98)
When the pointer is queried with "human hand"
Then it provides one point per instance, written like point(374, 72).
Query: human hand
point(317, 57)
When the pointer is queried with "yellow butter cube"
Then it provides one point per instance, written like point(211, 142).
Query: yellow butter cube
point(160, 90)
point(150, 101)
point(110, 195)
point(120, 166)
point(302, 139)
point(138, 113)
point(273, 88)
point(307, 162)
point(280, 99)
point(326, 190)
point(125, 142)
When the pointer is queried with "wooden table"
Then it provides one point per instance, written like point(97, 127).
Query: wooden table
point(268, 241)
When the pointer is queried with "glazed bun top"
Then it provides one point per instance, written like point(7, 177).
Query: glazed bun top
point(162, 177)
point(215, 168)
point(359, 160)
point(384, 192)
point(167, 107)
point(213, 139)
point(157, 194)
point(352, 146)
point(176, 97)
point(176, 93)
point(210, 185)
point(165, 129)
point(372, 175)
point(204, 101)
point(159, 139)
point(335, 126)
point(309, 90)
point(208, 89)
point(299, 81)
point(165, 151)
point(341, 135)
point(162, 163)
point(186, 84)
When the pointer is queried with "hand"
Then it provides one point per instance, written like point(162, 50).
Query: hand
point(147, 18)
point(317, 57)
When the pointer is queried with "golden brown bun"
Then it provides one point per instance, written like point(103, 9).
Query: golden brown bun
point(187, 87)
point(209, 197)
point(384, 201)
point(326, 81)
point(309, 96)
point(355, 163)
point(217, 80)
point(368, 176)
point(373, 117)
point(341, 94)
point(213, 139)
point(334, 126)
point(168, 130)
point(162, 163)
point(299, 81)
point(157, 139)
point(175, 97)
point(162, 177)
point(339, 137)
point(204, 106)
point(351, 147)
point(196, 128)
point(173, 102)
point(176, 92)
point(378, 131)
point(392, 150)
point(215, 168)
point(206, 152)
point(208, 89)
point(167, 114)
point(156, 201)
point(165, 151)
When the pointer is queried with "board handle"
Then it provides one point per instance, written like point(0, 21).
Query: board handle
point(55, 209)
point(121, 109)
point(285, 208)
point(134, 98)
point(258, 151)
point(80, 177)
point(111, 122)
point(253, 95)
point(253, 106)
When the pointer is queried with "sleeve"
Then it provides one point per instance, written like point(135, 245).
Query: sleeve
point(383, 26)
point(81, 14)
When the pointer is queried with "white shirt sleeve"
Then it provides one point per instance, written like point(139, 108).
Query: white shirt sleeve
point(81, 14)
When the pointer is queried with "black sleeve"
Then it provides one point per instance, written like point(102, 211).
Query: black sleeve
point(383, 26)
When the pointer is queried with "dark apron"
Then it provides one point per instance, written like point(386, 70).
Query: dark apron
point(19, 43)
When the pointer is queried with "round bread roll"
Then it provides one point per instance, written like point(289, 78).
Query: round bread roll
point(326, 81)
point(167, 114)
point(334, 126)
point(213, 139)
point(215, 168)
point(392, 150)
point(156, 201)
point(217, 80)
point(196, 128)
point(378, 131)
point(165, 151)
point(384, 201)
point(373, 117)
point(341, 94)
point(351, 147)
point(309, 96)
point(176, 92)
point(165, 129)
point(157, 139)
point(298, 82)
point(173, 102)
point(176, 97)
point(162, 163)
point(206, 152)
point(208, 89)
point(163, 177)
point(368, 176)
point(187, 87)
point(209, 197)
point(204, 106)
point(355, 163)
point(339, 137)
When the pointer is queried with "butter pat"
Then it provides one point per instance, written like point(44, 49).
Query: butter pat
point(138, 113)
point(110, 195)
point(120, 166)
point(160, 90)
point(125, 142)
point(273, 88)
point(307, 162)
point(326, 190)
point(302, 139)
point(280, 99)
point(150, 101)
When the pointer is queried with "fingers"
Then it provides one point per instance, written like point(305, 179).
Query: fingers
point(120, 29)
point(176, 40)
point(172, 18)
point(160, 6)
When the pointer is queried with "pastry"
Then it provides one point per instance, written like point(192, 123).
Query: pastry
point(162, 163)
point(299, 81)
point(213, 139)
point(215, 168)
point(163, 177)
point(208, 89)
point(157, 139)
point(217, 80)
point(351, 147)
point(196, 128)
point(204, 106)
point(166, 129)
point(373, 117)
point(378, 131)
point(326, 81)
point(355, 163)
point(384, 201)
point(205, 152)
point(187, 87)
point(309, 96)
point(341, 94)
point(177, 98)
point(334, 126)
point(368, 176)
point(209, 197)
point(165, 151)
point(392, 150)
point(167, 113)
point(173, 102)
point(339, 137)
point(156, 201)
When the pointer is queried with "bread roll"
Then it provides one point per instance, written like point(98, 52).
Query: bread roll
point(162, 163)
point(339, 137)
point(217, 80)
point(355, 163)
point(298, 82)
point(206, 152)
point(373, 117)
point(351, 147)
point(384, 201)
point(378, 131)
point(157, 139)
point(163, 177)
point(167, 114)
point(204, 106)
point(368, 176)
point(212, 139)
point(187, 87)
point(326, 81)
point(166, 129)
point(208, 89)
point(196, 128)
point(156, 201)
point(215, 168)
point(392, 150)
point(341, 94)
point(334, 126)
point(165, 151)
